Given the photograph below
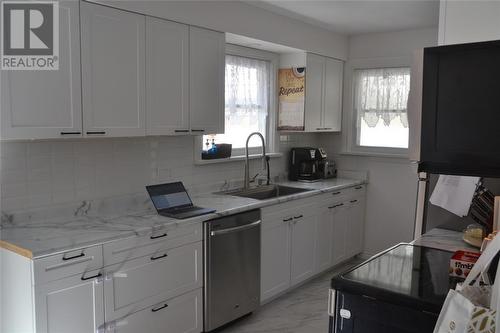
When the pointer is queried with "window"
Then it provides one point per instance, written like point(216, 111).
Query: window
point(380, 107)
point(247, 101)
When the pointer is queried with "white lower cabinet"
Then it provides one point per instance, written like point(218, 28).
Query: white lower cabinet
point(182, 314)
point(287, 246)
point(138, 283)
point(355, 226)
point(73, 304)
point(302, 245)
point(305, 237)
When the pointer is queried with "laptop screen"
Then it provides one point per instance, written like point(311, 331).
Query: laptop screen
point(168, 196)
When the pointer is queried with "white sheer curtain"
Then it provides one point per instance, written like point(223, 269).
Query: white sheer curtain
point(246, 100)
point(382, 94)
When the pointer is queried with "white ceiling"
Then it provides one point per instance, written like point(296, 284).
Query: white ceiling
point(259, 44)
point(353, 17)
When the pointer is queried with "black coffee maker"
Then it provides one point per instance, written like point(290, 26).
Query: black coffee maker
point(306, 164)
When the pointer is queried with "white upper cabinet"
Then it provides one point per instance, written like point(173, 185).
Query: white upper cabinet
point(206, 94)
point(113, 67)
point(332, 105)
point(314, 92)
point(323, 97)
point(167, 77)
point(46, 104)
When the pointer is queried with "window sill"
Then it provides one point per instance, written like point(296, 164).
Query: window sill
point(235, 158)
point(374, 154)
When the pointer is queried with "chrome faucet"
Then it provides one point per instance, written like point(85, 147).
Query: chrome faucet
point(265, 160)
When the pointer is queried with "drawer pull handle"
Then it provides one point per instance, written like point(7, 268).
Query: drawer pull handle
point(298, 216)
point(159, 257)
point(98, 275)
point(159, 236)
point(335, 193)
point(197, 130)
point(181, 131)
point(74, 257)
point(70, 133)
point(288, 220)
point(358, 187)
point(96, 132)
point(335, 206)
point(159, 308)
point(353, 201)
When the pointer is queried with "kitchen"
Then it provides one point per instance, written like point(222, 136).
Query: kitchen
point(75, 166)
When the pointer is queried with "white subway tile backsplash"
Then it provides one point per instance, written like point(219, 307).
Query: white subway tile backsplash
point(49, 173)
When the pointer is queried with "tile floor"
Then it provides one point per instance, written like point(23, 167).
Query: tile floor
point(303, 310)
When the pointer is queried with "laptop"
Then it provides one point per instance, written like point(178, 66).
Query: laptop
point(172, 200)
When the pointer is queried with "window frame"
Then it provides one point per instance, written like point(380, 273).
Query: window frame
point(350, 136)
point(272, 142)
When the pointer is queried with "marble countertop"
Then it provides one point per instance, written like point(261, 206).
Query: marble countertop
point(35, 239)
point(444, 239)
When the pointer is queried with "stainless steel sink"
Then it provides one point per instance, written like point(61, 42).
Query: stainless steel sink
point(266, 192)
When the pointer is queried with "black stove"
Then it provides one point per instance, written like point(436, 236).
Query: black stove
point(399, 290)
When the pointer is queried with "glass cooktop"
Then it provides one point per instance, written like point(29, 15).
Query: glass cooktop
point(407, 270)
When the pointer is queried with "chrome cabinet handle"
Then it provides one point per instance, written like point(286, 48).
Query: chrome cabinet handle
point(159, 308)
point(159, 236)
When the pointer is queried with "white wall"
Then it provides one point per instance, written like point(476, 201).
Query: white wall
point(468, 21)
point(243, 19)
point(391, 196)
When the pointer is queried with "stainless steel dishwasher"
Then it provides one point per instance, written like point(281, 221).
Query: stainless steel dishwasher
point(231, 268)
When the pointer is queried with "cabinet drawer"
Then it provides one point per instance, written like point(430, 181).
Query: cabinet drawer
point(145, 281)
point(288, 210)
point(67, 264)
point(159, 241)
point(181, 315)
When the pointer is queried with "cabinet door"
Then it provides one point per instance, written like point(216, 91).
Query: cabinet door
point(145, 281)
point(182, 314)
point(339, 216)
point(324, 239)
point(355, 226)
point(70, 305)
point(167, 77)
point(275, 257)
point(332, 95)
point(113, 71)
point(206, 93)
point(303, 234)
point(315, 65)
point(46, 104)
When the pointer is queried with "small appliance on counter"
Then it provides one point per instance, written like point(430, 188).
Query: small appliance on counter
point(400, 290)
point(330, 170)
point(309, 164)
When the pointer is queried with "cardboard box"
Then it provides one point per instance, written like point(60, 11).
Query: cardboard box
point(462, 262)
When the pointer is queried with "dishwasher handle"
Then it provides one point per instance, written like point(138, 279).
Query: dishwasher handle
point(235, 229)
